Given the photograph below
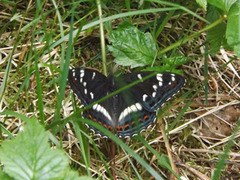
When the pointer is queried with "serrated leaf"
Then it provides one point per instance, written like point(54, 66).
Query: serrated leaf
point(202, 3)
point(233, 30)
point(132, 47)
point(29, 156)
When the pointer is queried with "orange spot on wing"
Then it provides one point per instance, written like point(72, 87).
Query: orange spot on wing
point(119, 128)
point(110, 128)
point(126, 126)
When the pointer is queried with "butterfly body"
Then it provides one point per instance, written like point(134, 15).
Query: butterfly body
point(130, 111)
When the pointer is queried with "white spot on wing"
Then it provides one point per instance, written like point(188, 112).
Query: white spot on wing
point(139, 106)
point(101, 109)
point(95, 105)
point(85, 91)
point(160, 83)
point(81, 80)
point(81, 73)
point(130, 109)
point(154, 94)
point(139, 76)
point(145, 97)
point(133, 108)
point(98, 108)
point(84, 84)
point(121, 116)
point(93, 75)
point(155, 87)
point(159, 77)
point(73, 73)
point(125, 112)
point(91, 94)
point(173, 78)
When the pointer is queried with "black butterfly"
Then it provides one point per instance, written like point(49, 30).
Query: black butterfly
point(130, 111)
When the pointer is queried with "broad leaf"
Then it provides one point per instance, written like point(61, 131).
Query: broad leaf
point(233, 30)
point(216, 35)
point(29, 156)
point(131, 47)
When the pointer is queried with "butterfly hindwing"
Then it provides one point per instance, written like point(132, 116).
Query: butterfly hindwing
point(133, 119)
point(100, 115)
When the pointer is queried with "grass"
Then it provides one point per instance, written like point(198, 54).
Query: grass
point(200, 127)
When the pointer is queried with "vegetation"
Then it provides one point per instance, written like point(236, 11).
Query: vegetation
point(196, 135)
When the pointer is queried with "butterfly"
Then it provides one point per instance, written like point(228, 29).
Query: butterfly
point(130, 111)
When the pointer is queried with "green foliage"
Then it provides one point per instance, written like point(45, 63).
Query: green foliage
point(222, 31)
point(164, 161)
point(30, 157)
point(224, 5)
point(216, 35)
point(233, 29)
point(131, 47)
point(4, 176)
point(202, 3)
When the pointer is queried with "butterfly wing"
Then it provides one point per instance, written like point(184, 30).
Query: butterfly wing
point(89, 85)
point(130, 111)
point(141, 101)
point(133, 119)
point(152, 93)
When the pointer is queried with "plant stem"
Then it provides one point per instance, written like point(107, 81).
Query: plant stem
point(103, 46)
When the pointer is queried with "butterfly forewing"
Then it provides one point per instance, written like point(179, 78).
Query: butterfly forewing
point(88, 84)
point(156, 90)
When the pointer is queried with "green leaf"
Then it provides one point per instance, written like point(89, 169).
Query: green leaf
point(164, 161)
point(174, 61)
point(233, 30)
point(5, 176)
point(216, 35)
point(228, 4)
point(72, 175)
point(132, 47)
point(202, 3)
point(29, 156)
point(224, 5)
